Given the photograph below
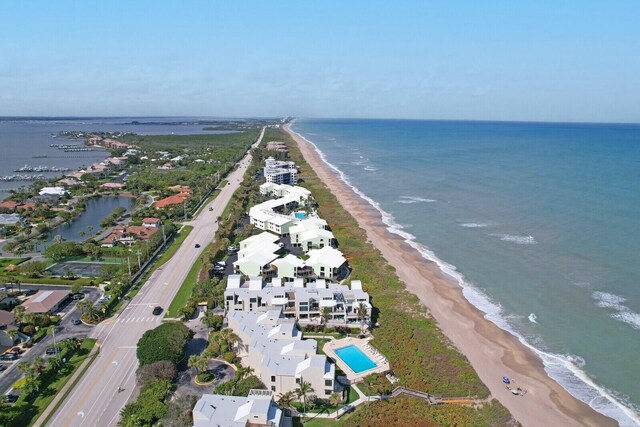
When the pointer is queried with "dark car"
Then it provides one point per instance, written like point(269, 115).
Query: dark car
point(76, 321)
point(78, 296)
point(52, 350)
point(30, 292)
point(11, 398)
point(9, 356)
point(157, 310)
point(2, 368)
point(197, 245)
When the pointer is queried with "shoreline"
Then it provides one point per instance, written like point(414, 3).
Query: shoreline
point(493, 352)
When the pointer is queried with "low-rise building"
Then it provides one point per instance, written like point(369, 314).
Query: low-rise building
point(327, 263)
point(7, 323)
point(10, 219)
point(53, 191)
point(128, 235)
point(273, 346)
point(299, 299)
point(255, 410)
point(151, 222)
point(45, 301)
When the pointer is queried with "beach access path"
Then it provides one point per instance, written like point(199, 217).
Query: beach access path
point(108, 384)
point(492, 352)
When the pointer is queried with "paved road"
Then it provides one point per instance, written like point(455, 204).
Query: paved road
point(95, 400)
point(65, 330)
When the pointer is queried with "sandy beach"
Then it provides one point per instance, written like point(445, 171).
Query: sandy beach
point(493, 353)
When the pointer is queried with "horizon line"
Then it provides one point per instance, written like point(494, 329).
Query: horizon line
point(72, 117)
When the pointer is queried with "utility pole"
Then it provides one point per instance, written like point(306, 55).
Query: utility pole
point(138, 252)
point(129, 264)
point(164, 236)
point(55, 347)
point(184, 205)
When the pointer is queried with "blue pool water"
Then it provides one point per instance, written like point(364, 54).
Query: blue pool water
point(355, 359)
point(300, 215)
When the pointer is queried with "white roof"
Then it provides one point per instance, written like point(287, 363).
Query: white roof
point(55, 191)
point(291, 260)
point(214, 410)
point(264, 237)
point(326, 256)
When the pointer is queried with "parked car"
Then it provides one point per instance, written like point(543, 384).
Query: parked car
point(9, 356)
point(76, 321)
point(157, 310)
point(3, 368)
point(78, 296)
point(15, 350)
point(29, 292)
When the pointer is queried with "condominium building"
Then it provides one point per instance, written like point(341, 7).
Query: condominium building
point(280, 172)
point(273, 346)
point(300, 300)
point(255, 410)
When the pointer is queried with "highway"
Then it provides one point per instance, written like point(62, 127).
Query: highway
point(96, 400)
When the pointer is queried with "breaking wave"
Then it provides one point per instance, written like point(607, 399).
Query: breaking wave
point(519, 240)
point(474, 225)
point(533, 318)
point(409, 200)
point(621, 312)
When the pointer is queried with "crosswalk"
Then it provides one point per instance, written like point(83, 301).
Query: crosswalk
point(140, 319)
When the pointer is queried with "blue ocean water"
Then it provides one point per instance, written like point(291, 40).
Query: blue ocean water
point(539, 222)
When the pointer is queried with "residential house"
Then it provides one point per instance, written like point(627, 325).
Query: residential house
point(128, 235)
point(8, 205)
point(7, 323)
point(53, 191)
point(151, 222)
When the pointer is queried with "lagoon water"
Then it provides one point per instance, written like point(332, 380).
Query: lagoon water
point(21, 139)
point(539, 222)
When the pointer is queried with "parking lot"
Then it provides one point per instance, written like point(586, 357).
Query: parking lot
point(65, 329)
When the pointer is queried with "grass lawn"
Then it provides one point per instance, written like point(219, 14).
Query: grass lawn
point(5, 262)
point(164, 257)
point(181, 298)
point(29, 410)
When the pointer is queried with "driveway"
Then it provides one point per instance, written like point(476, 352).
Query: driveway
point(66, 329)
point(186, 386)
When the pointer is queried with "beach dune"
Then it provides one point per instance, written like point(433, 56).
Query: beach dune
point(492, 352)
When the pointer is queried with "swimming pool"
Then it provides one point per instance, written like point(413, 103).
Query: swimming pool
point(300, 215)
point(355, 359)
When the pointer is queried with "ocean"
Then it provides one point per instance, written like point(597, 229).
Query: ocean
point(538, 222)
point(25, 141)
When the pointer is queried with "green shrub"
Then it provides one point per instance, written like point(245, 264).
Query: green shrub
point(229, 357)
point(166, 342)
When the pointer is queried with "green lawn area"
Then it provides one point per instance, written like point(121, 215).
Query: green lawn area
point(181, 298)
point(5, 262)
point(29, 410)
point(164, 257)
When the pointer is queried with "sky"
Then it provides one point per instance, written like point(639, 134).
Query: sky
point(481, 60)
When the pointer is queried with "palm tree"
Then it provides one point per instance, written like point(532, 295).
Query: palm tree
point(199, 362)
point(335, 399)
point(230, 337)
point(325, 313)
point(362, 314)
point(285, 400)
point(243, 373)
point(304, 388)
point(12, 334)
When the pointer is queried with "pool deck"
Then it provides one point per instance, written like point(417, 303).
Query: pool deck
point(363, 344)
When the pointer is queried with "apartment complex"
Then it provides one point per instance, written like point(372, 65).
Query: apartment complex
point(280, 172)
point(301, 300)
point(273, 346)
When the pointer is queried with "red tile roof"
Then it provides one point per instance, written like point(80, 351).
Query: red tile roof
point(8, 204)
